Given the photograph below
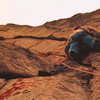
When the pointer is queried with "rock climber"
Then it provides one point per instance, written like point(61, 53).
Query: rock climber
point(80, 39)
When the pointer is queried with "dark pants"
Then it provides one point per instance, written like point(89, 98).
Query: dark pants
point(87, 40)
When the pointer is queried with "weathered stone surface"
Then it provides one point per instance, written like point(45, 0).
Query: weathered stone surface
point(19, 62)
point(31, 61)
point(65, 87)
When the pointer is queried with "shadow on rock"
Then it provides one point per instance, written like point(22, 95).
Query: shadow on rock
point(18, 62)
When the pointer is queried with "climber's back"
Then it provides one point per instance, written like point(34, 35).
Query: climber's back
point(81, 36)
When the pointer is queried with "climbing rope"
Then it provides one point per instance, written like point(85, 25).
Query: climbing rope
point(35, 44)
point(54, 53)
point(80, 70)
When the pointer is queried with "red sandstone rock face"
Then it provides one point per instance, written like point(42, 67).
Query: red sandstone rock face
point(31, 62)
point(19, 62)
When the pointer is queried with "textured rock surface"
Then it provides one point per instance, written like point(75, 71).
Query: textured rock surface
point(19, 62)
point(31, 61)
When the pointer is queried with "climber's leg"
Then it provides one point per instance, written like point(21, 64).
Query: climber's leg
point(74, 47)
point(89, 41)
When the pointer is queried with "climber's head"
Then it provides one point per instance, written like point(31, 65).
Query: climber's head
point(77, 27)
point(91, 30)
